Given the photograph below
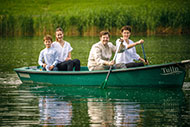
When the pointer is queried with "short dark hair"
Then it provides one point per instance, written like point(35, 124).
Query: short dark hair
point(59, 29)
point(104, 33)
point(48, 37)
point(126, 28)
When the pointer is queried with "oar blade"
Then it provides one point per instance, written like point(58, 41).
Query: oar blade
point(104, 84)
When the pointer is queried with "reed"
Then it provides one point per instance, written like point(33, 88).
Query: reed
point(146, 18)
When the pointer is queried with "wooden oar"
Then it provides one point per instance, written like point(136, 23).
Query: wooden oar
point(103, 85)
point(143, 52)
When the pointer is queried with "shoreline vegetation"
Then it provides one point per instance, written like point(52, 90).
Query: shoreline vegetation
point(88, 17)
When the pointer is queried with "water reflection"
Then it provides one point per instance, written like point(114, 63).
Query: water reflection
point(17, 107)
point(101, 113)
point(119, 107)
point(127, 114)
point(54, 112)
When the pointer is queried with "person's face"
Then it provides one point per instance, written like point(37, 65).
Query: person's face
point(59, 35)
point(126, 34)
point(47, 43)
point(105, 39)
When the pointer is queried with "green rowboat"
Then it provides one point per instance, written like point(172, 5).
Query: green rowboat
point(164, 75)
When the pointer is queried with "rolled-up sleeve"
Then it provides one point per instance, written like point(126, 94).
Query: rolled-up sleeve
point(121, 47)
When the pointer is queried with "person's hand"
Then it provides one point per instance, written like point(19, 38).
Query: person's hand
point(121, 40)
point(110, 63)
point(140, 41)
point(146, 62)
point(51, 67)
point(68, 59)
point(44, 65)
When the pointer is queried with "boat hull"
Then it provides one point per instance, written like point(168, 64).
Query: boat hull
point(165, 75)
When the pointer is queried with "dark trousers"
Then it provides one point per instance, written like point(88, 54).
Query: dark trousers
point(76, 64)
point(68, 65)
point(128, 65)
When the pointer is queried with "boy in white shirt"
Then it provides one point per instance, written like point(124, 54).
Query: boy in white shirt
point(48, 57)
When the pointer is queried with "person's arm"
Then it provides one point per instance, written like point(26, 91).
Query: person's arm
point(109, 63)
point(121, 47)
point(51, 67)
point(69, 50)
point(68, 57)
point(112, 62)
point(134, 44)
point(141, 59)
point(56, 56)
point(41, 60)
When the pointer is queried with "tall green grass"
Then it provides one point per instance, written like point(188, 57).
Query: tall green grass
point(83, 17)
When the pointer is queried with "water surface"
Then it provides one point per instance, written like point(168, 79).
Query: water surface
point(49, 105)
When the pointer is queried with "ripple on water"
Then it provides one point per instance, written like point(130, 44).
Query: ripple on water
point(9, 79)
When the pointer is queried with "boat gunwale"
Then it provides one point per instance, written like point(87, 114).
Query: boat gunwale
point(24, 70)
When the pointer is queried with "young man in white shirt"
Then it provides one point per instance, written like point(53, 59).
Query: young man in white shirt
point(129, 55)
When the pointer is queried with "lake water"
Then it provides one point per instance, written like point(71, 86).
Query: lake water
point(55, 105)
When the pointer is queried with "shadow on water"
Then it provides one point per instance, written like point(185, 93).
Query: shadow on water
point(47, 105)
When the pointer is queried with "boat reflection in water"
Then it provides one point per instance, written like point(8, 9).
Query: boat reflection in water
point(53, 112)
point(90, 106)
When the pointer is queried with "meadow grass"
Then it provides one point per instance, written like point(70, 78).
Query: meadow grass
point(88, 17)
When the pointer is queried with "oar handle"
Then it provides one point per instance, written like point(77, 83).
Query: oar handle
point(143, 52)
point(117, 49)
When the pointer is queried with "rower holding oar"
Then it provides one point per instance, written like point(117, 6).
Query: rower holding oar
point(129, 55)
point(101, 53)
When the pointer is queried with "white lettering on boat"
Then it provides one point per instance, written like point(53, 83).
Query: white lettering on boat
point(24, 75)
point(170, 70)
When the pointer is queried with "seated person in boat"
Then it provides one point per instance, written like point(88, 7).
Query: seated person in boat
point(48, 57)
point(64, 50)
point(129, 55)
point(101, 53)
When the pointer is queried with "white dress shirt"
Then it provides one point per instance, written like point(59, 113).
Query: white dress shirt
point(129, 55)
point(49, 56)
point(62, 51)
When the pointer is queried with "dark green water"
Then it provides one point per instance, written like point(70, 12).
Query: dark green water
point(48, 105)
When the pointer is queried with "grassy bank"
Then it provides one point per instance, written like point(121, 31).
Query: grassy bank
point(88, 17)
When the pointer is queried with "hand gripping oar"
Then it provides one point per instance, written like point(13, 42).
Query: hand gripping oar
point(103, 85)
point(143, 52)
